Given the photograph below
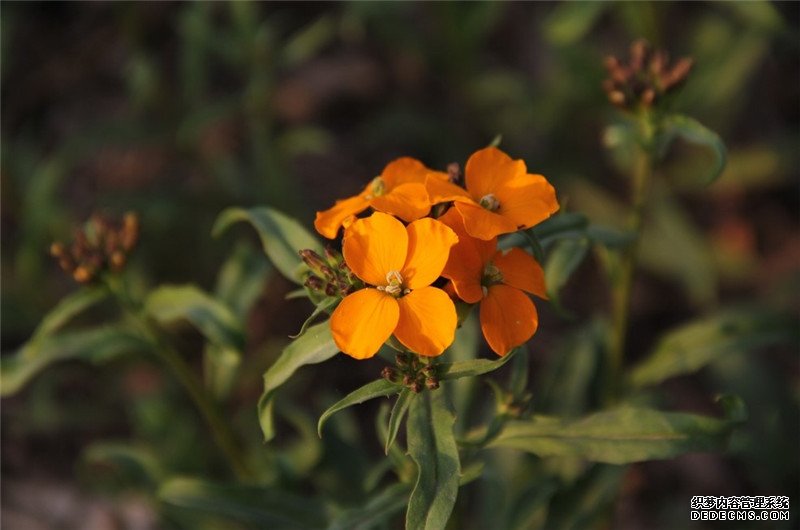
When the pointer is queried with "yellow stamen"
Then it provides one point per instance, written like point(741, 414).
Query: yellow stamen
point(376, 188)
point(490, 202)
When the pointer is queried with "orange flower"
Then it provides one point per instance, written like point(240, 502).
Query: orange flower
point(501, 197)
point(495, 278)
point(399, 190)
point(401, 263)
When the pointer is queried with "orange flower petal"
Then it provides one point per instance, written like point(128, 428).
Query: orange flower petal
point(527, 200)
point(467, 259)
point(488, 169)
point(485, 248)
point(402, 171)
point(521, 270)
point(375, 246)
point(483, 224)
point(329, 221)
point(508, 318)
point(427, 322)
point(429, 244)
point(406, 201)
point(445, 191)
point(363, 321)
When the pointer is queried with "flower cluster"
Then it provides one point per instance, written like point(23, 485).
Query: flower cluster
point(404, 267)
point(101, 245)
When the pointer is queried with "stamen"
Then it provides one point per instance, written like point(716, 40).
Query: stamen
point(395, 284)
point(492, 274)
point(490, 202)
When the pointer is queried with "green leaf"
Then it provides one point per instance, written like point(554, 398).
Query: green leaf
point(94, 345)
point(137, 465)
point(396, 417)
point(281, 236)
point(208, 315)
point(241, 279)
point(377, 509)
point(617, 436)
point(472, 368)
point(375, 389)
point(68, 308)
point(432, 446)
point(315, 346)
point(695, 345)
point(563, 260)
point(320, 308)
point(264, 507)
point(692, 131)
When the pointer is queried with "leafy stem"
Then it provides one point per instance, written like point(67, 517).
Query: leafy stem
point(220, 430)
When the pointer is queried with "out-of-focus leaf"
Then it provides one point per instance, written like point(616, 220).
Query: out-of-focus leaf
point(528, 511)
point(617, 436)
point(562, 261)
point(211, 317)
point(563, 225)
point(610, 237)
point(303, 453)
point(322, 307)
point(375, 389)
point(569, 22)
point(137, 465)
point(264, 507)
point(694, 345)
point(396, 416)
point(464, 348)
point(68, 308)
point(241, 279)
point(304, 141)
point(94, 345)
point(375, 511)
point(281, 236)
point(692, 131)
point(432, 446)
point(307, 42)
point(315, 346)
point(586, 503)
point(471, 368)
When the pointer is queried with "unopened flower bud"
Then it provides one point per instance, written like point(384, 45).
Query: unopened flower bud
point(83, 274)
point(416, 387)
point(389, 373)
point(117, 260)
point(401, 360)
point(408, 380)
point(453, 171)
point(312, 259)
point(432, 383)
point(331, 290)
point(57, 250)
point(429, 371)
point(129, 234)
point(314, 283)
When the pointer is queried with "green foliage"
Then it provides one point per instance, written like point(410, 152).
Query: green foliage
point(690, 130)
point(697, 344)
point(281, 236)
point(375, 389)
point(617, 436)
point(399, 410)
point(315, 346)
point(375, 511)
point(433, 448)
point(459, 369)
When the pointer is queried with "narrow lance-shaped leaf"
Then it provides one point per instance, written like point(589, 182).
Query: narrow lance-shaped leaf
point(94, 345)
point(281, 236)
point(315, 346)
point(562, 262)
point(68, 308)
point(396, 417)
point(432, 446)
point(695, 345)
point(211, 317)
point(376, 510)
point(375, 389)
point(617, 436)
point(694, 132)
point(472, 368)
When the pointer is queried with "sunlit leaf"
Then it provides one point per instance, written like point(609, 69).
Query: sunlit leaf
point(617, 436)
point(694, 345)
point(433, 448)
point(281, 236)
point(375, 389)
point(315, 346)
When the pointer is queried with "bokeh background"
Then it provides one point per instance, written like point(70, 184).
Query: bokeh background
point(178, 110)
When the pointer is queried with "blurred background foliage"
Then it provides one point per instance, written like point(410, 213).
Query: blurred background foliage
point(178, 110)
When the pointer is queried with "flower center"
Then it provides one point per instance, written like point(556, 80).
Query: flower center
point(490, 202)
point(394, 284)
point(491, 275)
point(376, 188)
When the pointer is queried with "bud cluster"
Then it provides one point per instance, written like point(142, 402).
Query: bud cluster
point(412, 372)
point(646, 77)
point(329, 276)
point(101, 245)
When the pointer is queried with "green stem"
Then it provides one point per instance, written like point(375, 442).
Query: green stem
point(623, 276)
point(220, 430)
